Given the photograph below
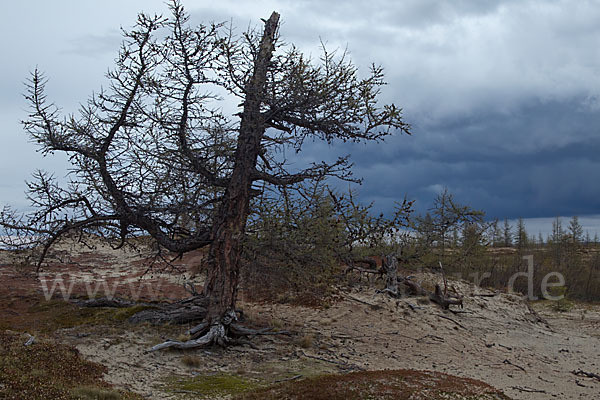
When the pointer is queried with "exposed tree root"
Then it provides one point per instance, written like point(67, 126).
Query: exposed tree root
point(224, 332)
point(216, 334)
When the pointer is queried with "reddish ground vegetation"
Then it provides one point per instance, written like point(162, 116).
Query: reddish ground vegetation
point(394, 384)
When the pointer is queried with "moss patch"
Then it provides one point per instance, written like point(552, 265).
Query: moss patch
point(208, 386)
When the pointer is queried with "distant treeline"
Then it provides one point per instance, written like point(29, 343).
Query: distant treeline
point(459, 238)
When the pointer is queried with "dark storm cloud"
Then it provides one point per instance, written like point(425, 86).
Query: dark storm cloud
point(503, 95)
point(541, 160)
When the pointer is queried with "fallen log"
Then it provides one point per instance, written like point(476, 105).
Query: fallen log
point(438, 297)
point(184, 311)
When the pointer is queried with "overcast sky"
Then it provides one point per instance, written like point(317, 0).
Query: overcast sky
point(503, 96)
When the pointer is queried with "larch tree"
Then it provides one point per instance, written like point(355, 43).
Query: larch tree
point(521, 237)
point(575, 231)
point(507, 236)
point(154, 152)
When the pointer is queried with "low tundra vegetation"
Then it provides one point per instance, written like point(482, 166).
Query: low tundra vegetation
point(209, 386)
point(392, 384)
point(46, 370)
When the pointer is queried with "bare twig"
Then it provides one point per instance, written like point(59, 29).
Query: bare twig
point(293, 378)
point(528, 390)
point(580, 372)
point(514, 365)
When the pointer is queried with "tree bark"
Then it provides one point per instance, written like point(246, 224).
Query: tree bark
point(390, 265)
point(230, 222)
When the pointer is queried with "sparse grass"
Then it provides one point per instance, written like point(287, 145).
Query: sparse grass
point(183, 337)
point(191, 361)
point(277, 324)
point(563, 304)
point(122, 314)
point(306, 341)
point(47, 370)
point(423, 300)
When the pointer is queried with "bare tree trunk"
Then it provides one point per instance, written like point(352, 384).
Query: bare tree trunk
point(390, 265)
point(224, 254)
point(230, 222)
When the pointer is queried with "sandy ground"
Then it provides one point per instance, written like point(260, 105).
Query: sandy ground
point(495, 340)
point(499, 340)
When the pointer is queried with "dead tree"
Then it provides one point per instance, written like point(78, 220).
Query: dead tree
point(410, 287)
point(154, 153)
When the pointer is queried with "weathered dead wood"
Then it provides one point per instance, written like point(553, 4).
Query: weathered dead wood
point(528, 390)
point(216, 334)
point(370, 270)
point(185, 311)
point(105, 302)
point(390, 267)
point(182, 312)
point(445, 301)
point(413, 287)
point(293, 378)
point(580, 384)
point(434, 339)
point(455, 322)
point(30, 340)
point(360, 301)
point(198, 330)
point(580, 372)
point(221, 333)
point(537, 318)
point(444, 277)
point(508, 362)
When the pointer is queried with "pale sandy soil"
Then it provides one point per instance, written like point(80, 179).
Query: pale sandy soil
point(498, 340)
